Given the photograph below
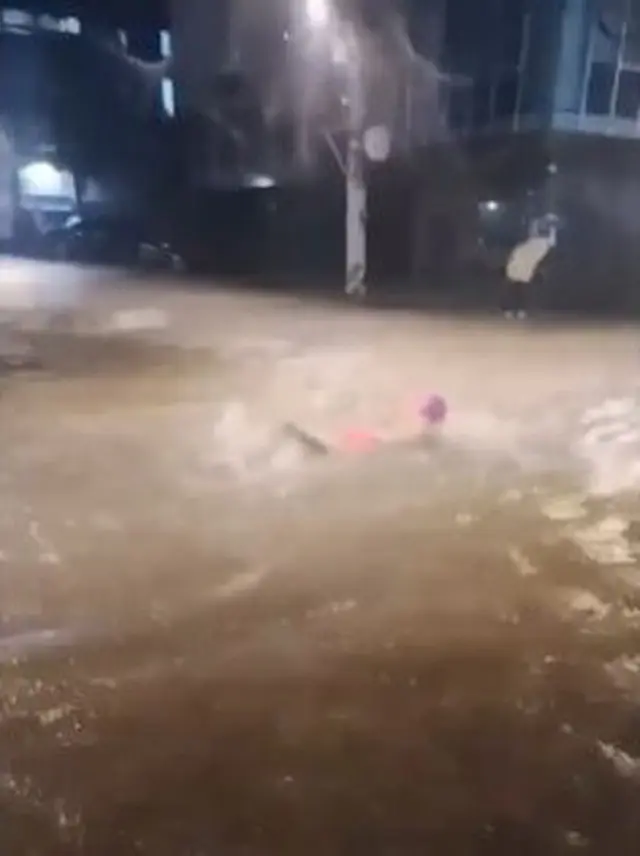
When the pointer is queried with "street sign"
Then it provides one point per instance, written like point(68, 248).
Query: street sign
point(377, 143)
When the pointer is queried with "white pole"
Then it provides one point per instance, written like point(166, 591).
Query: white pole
point(615, 90)
point(355, 181)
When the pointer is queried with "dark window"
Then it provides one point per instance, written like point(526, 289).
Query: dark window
point(600, 88)
point(481, 104)
point(632, 44)
point(145, 45)
point(460, 108)
point(606, 38)
point(510, 26)
point(506, 96)
point(628, 102)
point(465, 24)
point(530, 103)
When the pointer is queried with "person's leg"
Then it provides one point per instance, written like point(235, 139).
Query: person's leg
point(520, 299)
point(507, 298)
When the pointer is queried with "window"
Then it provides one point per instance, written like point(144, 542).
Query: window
point(69, 25)
point(481, 104)
point(168, 97)
point(628, 102)
point(460, 108)
point(631, 53)
point(601, 80)
point(59, 25)
point(16, 19)
point(506, 96)
point(165, 44)
point(607, 38)
point(510, 25)
point(48, 22)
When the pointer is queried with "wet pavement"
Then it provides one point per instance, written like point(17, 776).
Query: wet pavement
point(217, 642)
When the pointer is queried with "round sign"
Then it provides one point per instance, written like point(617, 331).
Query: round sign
point(377, 143)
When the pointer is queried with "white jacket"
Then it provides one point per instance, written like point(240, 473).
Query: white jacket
point(525, 258)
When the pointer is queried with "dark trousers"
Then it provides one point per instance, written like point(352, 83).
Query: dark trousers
point(514, 296)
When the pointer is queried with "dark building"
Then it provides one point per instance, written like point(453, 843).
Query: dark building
point(83, 100)
point(571, 65)
point(536, 127)
point(550, 122)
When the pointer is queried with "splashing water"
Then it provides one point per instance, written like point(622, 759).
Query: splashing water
point(425, 601)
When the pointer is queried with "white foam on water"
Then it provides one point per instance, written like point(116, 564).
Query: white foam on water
point(138, 320)
point(251, 448)
point(608, 445)
point(22, 290)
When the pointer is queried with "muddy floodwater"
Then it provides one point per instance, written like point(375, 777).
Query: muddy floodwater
point(216, 642)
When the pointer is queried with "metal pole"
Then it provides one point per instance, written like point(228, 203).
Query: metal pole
point(355, 181)
point(523, 61)
point(588, 62)
point(613, 102)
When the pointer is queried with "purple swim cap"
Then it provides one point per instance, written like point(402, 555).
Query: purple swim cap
point(433, 409)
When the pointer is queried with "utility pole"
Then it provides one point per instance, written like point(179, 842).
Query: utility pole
point(314, 24)
point(355, 179)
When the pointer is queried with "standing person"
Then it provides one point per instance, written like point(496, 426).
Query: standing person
point(523, 263)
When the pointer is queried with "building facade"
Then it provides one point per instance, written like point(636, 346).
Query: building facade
point(79, 96)
point(570, 65)
point(551, 86)
point(557, 83)
point(149, 42)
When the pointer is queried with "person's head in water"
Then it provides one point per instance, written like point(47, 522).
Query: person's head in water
point(433, 411)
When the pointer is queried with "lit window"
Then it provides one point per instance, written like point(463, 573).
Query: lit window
point(41, 179)
point(70, 25)
point(165, 44)
point(16, 19)
point(48, 22)
point(168, 97)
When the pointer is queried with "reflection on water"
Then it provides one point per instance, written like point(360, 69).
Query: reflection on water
point(216, 643)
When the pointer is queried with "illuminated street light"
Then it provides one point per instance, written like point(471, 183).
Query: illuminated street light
point(317, 12)
point(260, 182)
point(340, 47)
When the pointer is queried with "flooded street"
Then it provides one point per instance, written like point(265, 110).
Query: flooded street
point(214, 641)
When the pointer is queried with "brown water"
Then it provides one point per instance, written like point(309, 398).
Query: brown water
point(214, 643)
